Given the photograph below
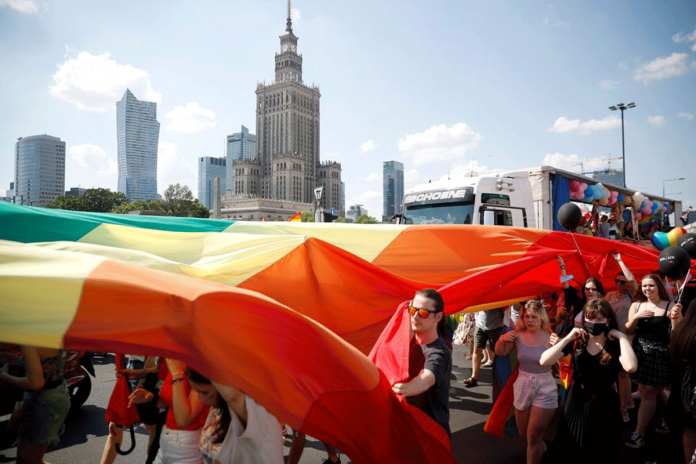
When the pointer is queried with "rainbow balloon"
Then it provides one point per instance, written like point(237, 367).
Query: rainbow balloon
point(662, 240)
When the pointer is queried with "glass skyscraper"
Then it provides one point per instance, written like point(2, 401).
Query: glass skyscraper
point(208, 169)
point(138, 138)
point(241, 145)
point(392, 187)
point(39, 169)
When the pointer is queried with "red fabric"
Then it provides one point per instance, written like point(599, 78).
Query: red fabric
point(501, 412)
point(166, 396)
point(118, 411)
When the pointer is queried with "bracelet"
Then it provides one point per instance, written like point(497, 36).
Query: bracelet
point(562, 267)
point(180, 379)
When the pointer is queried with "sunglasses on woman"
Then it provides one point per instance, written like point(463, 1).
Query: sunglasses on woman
point(422, 313)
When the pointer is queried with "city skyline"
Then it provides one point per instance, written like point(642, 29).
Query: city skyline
point(489, 86)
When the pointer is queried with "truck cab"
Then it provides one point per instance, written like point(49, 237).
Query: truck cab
point(494, 199)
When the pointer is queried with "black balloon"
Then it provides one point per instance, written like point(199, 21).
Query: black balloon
point(688, 242)
point(569, 215)
point(674, 262)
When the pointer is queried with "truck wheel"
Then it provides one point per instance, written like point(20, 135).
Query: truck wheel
point(79, 392)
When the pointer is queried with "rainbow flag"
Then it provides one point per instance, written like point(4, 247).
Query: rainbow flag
point(297, 217)
point(285, 311)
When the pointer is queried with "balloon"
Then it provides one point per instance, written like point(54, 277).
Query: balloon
point(574, 184)
point(663, 240)
point(674, 262)
point(603, 201)
point(639, 216)
point(569, 215)
point(589, 193)
point(646, 210)
point(664, 210)
point(688, 243)
point(620, 198)
point(588, 216)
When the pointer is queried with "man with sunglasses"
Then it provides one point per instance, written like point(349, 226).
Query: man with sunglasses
point(428, 387)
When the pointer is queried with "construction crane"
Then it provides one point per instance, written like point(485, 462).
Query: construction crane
point(600, 171)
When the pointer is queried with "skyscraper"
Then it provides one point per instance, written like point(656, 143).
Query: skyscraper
point(240, 146)
point(208, 169)
point(392, 188)
point(39, 169)
point(138, 138)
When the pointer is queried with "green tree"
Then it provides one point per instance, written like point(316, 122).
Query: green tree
point(179, 201)
point(141, 205)
point(307, 216)
point(97, 200)
point(365, 219)
point(177, 192)
point(341, 220)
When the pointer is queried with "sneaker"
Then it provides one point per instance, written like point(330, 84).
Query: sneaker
point(662, 428)
point(487, 364)
point(636, 441)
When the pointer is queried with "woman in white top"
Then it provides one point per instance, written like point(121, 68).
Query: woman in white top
point(238, 430)
point(536, 394)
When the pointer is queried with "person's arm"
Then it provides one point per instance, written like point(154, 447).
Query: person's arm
point(634, 314)
point(630, 279)
point(186, 407)
point(553, 354)
point(627, 358)
point(33, 378)
point(675, 314)
point(420, 383)
point(564, 277)
point(505, 344)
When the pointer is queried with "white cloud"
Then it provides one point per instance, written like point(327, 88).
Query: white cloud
point(663, 68)
point(295, 15)
point(109, 170)
point(467, 169)
point(680, 38)
point(622, 66)
point(94, 83)
point(564, 124)
point(574, 163)
point(439, 143)
point(371, 200)
point(372, 177)
point(688, 116)
point(608, 84)
point(657, 121)
point(88, 155)
point(411, 177)
point(173, 168)
point(189, 119)
point(25, 6)
point(368, 146)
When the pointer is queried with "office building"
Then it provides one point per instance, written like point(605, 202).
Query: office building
point(208, 169)
point(240, 146)
point(75, 191)
point(138, 138)
point(392, 188)
point(354, 211)
point(39, 169)
point(287, 166)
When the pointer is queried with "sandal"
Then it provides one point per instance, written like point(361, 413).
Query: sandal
point(470, 382)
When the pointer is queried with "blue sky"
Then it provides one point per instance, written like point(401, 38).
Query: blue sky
point(441, 86)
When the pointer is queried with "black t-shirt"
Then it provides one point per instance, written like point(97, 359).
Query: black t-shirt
point(435, 401)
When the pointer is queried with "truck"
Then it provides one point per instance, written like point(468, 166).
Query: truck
point(527, 198)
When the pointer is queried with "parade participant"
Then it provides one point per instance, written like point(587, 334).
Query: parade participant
point(186, 415)
point(651, 317)
point(590, 427)
point(592, 288)
point(429, 388)
point(682, 401)
point(535, 391)
point(620, 301)
point(489, 326)
point(237, 430)
point(613, 230)
point(46, 401)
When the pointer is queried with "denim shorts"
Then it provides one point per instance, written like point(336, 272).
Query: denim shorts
point(43, 419)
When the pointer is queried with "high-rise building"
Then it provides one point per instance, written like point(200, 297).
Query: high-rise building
point(240, 146)
point(392, 188)
point(39, 169)
point(208, 169)
point(287, 166)
point(138, 138)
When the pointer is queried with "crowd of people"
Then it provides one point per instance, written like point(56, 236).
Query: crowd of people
point(631, 342)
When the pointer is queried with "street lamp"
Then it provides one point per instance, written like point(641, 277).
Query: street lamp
point(668, 180)
point(623, 108)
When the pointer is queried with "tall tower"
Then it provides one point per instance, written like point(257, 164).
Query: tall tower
point(208, 169)
point(287, 127)
point(39, 169)
point(240, 146)
point(138, 137)
point(392, 187)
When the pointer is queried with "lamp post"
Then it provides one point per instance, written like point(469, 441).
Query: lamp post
point(668, 180)
point(623, 108)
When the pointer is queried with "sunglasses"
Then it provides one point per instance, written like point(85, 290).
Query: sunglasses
point(422, 313)
point(620, 281)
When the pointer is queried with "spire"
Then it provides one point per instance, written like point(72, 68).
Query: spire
point(288, 23)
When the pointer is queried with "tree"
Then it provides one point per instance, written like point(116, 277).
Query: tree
point(365, 219)
point(178, 201)
point(307, 216)
point(341, 220)
point(141, 205)
point(97, 200)
point(177, 192)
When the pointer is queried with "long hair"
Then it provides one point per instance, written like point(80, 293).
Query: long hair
point(538, 308)
point(661, 290)
point(598, 284)
point(225, 417)
point(683, 340)
point(439, 304)
point(601, 307)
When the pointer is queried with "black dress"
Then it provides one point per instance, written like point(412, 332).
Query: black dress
point(591, 425)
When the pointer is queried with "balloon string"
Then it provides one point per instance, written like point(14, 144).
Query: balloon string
point(581, 256)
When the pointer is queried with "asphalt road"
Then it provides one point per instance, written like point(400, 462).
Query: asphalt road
point(86, 430)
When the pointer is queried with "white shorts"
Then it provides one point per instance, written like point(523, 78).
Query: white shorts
point(179, 446)
point(538, 390)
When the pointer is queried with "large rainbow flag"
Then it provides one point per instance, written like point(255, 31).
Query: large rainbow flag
point(285, 311)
